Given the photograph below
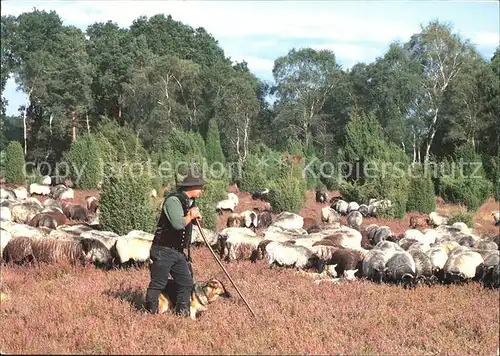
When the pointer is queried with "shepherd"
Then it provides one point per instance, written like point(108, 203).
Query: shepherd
point(172, 237)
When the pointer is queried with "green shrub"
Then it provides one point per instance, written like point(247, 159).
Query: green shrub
point(212, 143)
point(215, 190)
point(491, 166)
point(84, 159)
point(464, 217)
point(421, 196)
point(15, 163)
point(253, 174)
point(288, 191)
point(125, 204)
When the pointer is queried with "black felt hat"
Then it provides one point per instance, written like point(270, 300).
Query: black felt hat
point(192, 181)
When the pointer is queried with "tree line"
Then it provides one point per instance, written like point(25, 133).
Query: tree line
point(164, 88)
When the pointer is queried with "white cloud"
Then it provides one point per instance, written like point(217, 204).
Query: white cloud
point(350, 54)
point(256, 64)
point(490, 39)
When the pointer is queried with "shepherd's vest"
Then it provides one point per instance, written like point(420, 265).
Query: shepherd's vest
point(166, 235)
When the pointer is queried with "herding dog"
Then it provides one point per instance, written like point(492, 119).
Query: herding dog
point(201, 295)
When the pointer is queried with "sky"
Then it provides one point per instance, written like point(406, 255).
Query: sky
point(261, 31)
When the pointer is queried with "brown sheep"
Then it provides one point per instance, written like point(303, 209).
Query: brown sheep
point(348, 262)
point(265, 219)
point(75, 211)
point(417, 222)
point(309, 223)
point(49, 219)
point(18, 250)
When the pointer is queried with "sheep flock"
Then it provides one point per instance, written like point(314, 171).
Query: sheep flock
point(59, 229)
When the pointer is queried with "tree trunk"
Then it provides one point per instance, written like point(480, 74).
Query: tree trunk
point(431, 138)
point(87, 120)
point(73, 124)
point(25, 113)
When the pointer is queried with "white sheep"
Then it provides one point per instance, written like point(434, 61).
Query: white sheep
point(6, 193)
point(401, 268)
point(131, 249)
point(329, 215)
point(5, 214)
point(46, 180)
point(341, 207)
point(352, 206)
point(21, 193)
point(39, 189)
point(354, 219)
point(288, 255)
point(238, 246)
point(437, 220)
point(438, 256)
point(250, 218)
point(288, 220)
point(228, 204)
point(461, 265)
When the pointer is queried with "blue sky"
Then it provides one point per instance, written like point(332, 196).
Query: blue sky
point(261, 31)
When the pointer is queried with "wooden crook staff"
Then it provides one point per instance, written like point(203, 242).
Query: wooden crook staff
point(221, 266)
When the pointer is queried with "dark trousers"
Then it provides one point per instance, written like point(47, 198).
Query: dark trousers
point(168, 260)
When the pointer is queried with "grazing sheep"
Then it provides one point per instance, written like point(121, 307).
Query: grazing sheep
point(461, 266)
point(289, 255)
point(341, 207)
point(363, 209)
point(423, 267)
point(130, 250)
point(490, 275)
point(348, 262)
point(5, 214)
point(22, 213)
point(288, 220)
point(108, 238)
point(39, 189)
point(64, 193)
point(50, 220)
point(310, 223)
point(21, 193)
point(18, 250)
point(374, 265)
point(496, 217)
point(261, 194)
point(483, 244)
point(264, 219)
point(354, 219)
point(92, 204)
point(438, 257)
point(329, 215)
point(371, 230)
point(321, 196)
point(234, 220)
point(226, 204)
point(51, 203)
point(75, 212)
point(418, 223)
point(383, 233)
point(235, 246)
point(250, 219)
point(347, 238)
point(6, 193)
point(46, 180)
point(5, 237)
point(437, 220)
point(401, 269)
point(352, 206)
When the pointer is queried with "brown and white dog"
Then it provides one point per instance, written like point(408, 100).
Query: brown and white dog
point(202, 295)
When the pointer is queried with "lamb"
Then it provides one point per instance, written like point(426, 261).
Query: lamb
point(289, 255)
point(348, 262)
point(461, 266)
point(401, 269)
point(354, 219)
point(321, 196)
point(130, 250)
point(39, 189)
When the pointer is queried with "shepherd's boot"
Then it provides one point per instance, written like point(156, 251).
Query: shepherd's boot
point(183, 309)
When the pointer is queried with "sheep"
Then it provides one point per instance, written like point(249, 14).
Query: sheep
point(486, 245)
point(261, 194)
point(18, 250)
point(6, 193)
point(49, 250)
point(329, 215)
point(348, 262)
point(5, 237)
point(490, 276)
point(310, 224)
point(50, 220)
point(321, 196)
point(461, 266)
point(496, 217)
point(234, 220)
point(363, 209)
point(39, 189)
point(64, 193)
point(92, 204)
point(46, 180)
point(5, 214)
point(374, 265)
point(210, 235)
point(352, 206)
point(33, 202)
point(417, 222)
point(383, 233)
point(341, 207)
point(401, 269)
point(75, 212)
point(346, 237)
point(423, 267)
point(437, 220)
point(22, 213)
point(235, 246)
point(21, 193)
point(371, 230)
point(289, 255)
point(249, 219)
point(51, 203)
point(288, 220)
point(130, 250)
point(226, 204)
point(264, 219)
point(108, 238)
point(491, 259)
point(438, 257)
point(354, 219)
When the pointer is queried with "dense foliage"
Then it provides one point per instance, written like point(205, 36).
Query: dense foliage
point(164, 94)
